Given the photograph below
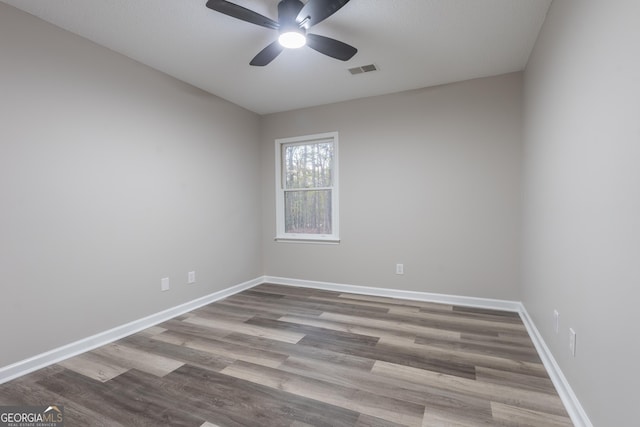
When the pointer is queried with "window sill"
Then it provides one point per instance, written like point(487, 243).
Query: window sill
point(305, 240)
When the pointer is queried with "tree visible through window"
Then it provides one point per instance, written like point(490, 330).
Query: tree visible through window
point(307, 187)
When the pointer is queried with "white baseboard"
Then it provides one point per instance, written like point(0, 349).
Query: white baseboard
point(487, 303)
point(569, 398)
point(23, 367)
point(573, 406)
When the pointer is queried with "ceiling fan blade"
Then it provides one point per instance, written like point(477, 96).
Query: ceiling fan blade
point(316, 11)
point(242, 13)
point(330, 47)
point(267, 54)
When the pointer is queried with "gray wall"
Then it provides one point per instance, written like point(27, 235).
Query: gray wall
point(112, 176)
point(582, 199)
point(429, 178)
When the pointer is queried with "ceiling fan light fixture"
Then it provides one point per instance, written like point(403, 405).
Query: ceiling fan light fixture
point(292, 39)
point(295, 18)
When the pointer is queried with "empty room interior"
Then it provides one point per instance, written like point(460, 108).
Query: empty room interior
point(428, 216)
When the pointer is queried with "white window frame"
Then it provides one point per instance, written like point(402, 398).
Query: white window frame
point(281, 235)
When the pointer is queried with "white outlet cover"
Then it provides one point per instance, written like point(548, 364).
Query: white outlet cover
point(164, 284)
point(556, 321)
point(191, 277)
point(399, 268)
point(572, 341)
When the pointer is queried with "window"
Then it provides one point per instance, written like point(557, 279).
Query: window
point(307, 188)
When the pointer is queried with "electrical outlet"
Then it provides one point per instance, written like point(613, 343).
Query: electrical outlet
point(556, 321)
point(572, 341)
point(191, 277)
point(164, 284)
point(399, 268)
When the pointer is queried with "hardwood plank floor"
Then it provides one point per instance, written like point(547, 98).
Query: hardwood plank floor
point(284, 356)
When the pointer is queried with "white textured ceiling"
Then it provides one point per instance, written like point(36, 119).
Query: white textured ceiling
point(414, 43)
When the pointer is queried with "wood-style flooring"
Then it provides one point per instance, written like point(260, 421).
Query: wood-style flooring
point(285, 356)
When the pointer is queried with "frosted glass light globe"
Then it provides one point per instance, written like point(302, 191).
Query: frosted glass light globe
point(292, 39)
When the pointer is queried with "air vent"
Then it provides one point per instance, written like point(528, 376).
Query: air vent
point(363, 69)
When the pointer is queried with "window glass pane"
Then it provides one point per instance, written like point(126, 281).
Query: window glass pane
point(308, 165)
point(308, 211)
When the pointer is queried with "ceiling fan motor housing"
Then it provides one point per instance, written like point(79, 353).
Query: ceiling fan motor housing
point(288, 11)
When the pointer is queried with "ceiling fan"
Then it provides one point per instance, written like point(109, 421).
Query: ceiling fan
point(294, 19)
